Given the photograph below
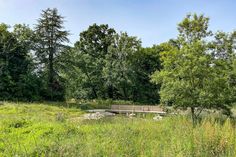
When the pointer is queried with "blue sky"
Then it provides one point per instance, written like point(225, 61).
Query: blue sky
point(153, 21)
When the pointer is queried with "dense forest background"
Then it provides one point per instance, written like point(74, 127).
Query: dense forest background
point(38, 64)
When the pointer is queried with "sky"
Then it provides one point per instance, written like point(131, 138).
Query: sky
point(152, 21)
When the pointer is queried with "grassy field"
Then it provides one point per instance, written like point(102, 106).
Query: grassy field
point(49, 130)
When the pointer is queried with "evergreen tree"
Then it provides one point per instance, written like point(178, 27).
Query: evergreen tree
point(50, 43)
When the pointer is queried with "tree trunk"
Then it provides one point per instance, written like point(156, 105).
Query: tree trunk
point(135, 95)
point(193, 115)
point(50, 74)
point(110, 92)
point(125, 93)
point(94, 92)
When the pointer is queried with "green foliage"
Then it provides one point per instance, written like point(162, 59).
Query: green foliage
point(106, 64)
point(18, 82)
point(49, 44)
point(119, 72)
point(91, 50)
point(102, 64)
point(194, 27)
point(191, 76)
point(197, 70)
point(100, 104)
point(33, 130)
point(145, 62)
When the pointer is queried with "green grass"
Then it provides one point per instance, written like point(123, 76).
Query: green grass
point(49, 130)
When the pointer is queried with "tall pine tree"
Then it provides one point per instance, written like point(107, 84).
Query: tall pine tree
point(51, 39)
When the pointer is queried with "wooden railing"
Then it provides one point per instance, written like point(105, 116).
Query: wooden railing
point(136, 108)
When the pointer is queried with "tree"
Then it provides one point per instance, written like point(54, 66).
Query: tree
point(223, 49)
point(17, 79)
point(119, 72)
point(190, 77)
point(29, 83)
point(145, 63)
point(105, 64)
point(7, 50)
point(91, 50)
point(51, 39)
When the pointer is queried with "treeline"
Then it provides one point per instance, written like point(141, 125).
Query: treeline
point(38, 64)
point(197, 69)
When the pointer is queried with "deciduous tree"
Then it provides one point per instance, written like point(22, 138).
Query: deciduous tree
point(190, 78)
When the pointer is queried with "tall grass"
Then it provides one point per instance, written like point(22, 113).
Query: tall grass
point(36, 130)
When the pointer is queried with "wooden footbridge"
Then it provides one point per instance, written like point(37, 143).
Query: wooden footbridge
point(136, 109)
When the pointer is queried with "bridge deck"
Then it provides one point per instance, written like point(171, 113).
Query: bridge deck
point(136, 109)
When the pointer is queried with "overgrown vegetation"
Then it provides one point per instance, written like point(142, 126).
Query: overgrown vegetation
point(195, 71)
point(45, 130)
